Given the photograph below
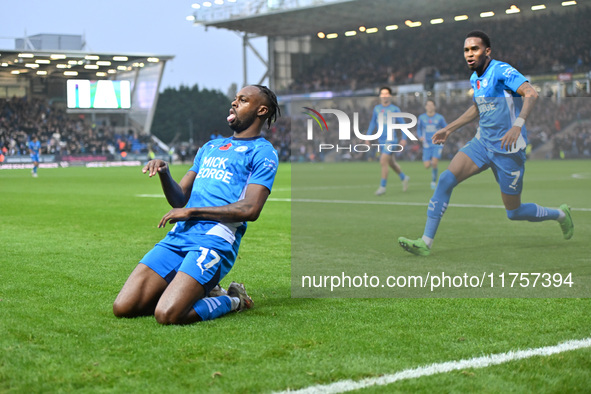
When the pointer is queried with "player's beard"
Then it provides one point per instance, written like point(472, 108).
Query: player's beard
point(239, 125)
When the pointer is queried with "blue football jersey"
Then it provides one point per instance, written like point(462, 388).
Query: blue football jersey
point(429, 125)
point(224, 168)
point(381, 111)
point(35, 146)
point(495, 94)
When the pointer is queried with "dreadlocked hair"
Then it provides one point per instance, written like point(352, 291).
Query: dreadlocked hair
point(271, 99)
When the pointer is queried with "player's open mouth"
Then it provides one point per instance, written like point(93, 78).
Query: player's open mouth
point(471, 62)
point(231, 117)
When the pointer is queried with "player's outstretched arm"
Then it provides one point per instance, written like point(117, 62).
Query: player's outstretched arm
point(440, 136)
point(176, 194)
point(245, 210)
point(530, 96)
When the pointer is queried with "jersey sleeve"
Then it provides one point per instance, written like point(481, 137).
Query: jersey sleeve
point(442, 122)
point(512, 78)
point(264, 166)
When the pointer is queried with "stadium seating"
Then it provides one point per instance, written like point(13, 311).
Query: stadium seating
point(60, 133)
point(534, 45)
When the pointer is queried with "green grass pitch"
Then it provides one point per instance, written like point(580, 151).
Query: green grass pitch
point(70, 238)
point(340, 226)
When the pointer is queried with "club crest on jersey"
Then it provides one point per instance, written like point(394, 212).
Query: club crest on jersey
point(226, 147)
point(241, 149)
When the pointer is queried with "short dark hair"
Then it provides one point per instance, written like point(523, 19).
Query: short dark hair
point(271, 102)
point(431, 100)
point(386, 88)
point(480, 34)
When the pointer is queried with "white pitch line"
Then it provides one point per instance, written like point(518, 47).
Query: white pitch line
point(584, 175)
point(407, 204)
point(400, 203)
point(312, 200)
point(428, 370)
point(341, 187)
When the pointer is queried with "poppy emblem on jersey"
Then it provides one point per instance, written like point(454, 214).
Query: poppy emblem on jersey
point(241, 149)
point(226, 147)
point(478, 84)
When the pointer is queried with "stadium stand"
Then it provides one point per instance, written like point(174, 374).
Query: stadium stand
point(556, 129)
point(83, 106)
point(62, 134)
point(534, 45)
point(356, 66)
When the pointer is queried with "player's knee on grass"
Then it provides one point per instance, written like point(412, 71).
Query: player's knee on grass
point(132, 307)
point(123, 309)
point(140, 293)
point(164, 316)
point(118, 309)
point(172, 315)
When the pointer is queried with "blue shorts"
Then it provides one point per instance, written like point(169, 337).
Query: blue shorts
point(389, 147)
point(507, 167)
point(432, 152)
point(208, 264)
point(35, 158)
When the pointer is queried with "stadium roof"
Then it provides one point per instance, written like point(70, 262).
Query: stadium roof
point(340, 16)
point(90, 65)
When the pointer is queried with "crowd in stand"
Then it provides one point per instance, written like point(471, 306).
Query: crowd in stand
point(60, 134)
point(63, 135)
point(547, 122)
point(574, 143)
point(280, 136)
point(534, 45)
